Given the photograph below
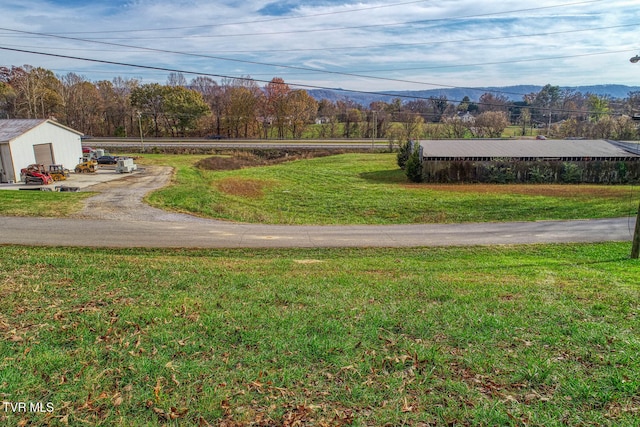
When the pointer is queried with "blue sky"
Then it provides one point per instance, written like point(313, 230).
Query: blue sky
point(369, 46)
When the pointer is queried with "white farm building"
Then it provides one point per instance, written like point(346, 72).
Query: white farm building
point(41, 141)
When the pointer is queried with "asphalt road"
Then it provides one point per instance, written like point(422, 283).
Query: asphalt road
point(207, 144)
point(117, 217)
point(215, 234)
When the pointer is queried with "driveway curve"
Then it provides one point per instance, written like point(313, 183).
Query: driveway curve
point(121, 199)
point(117, 217)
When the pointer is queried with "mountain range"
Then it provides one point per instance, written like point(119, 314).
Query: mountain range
point(513, 93)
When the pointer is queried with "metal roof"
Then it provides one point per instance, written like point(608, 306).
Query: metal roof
point(13, 128)
point(525, 148)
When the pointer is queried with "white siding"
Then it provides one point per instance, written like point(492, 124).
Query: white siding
point(67, 147)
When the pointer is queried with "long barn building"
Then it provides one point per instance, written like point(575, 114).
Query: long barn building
point(525, 160)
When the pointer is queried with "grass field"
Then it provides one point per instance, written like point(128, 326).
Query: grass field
point(41, 203)
point(543, 335)
point(345, 189)
point(527, 335)
point(371, 189)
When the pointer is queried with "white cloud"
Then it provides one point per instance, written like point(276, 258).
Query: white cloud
point(452, 43)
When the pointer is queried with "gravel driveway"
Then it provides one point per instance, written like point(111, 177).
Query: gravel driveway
point(121, 198)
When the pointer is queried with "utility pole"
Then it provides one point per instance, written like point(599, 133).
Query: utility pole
point(635, 247)
point(140, 125)
point(374, 132)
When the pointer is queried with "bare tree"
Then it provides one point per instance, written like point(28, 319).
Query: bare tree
point(36, 92)
point(493, 102)
point(303, 109)
point(328, 117)
point(490, 124)
point(454, 127)
point(241, 113)
point(277, 104)
point(176, 79)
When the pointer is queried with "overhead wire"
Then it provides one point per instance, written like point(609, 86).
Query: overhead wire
point(282, 66)
point(384, 45)
point(258, 21)
point(481, 15)
point(249, 79)
point(332, 72)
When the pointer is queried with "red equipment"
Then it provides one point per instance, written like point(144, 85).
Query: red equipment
point(36, 174)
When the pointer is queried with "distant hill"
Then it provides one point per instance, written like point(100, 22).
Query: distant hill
point(514, 93)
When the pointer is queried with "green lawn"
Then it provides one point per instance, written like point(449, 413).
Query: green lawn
point(41, 203)
point(344, 189)
point(523, 335)
point(370, 189)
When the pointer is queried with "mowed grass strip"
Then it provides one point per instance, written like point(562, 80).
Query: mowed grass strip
point(524, 335)
point(370, 189)
point(41, 203)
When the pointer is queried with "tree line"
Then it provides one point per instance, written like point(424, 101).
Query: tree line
point(241, 108)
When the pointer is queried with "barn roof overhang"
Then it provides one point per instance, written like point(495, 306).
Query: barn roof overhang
point(11, 129)
point(527, 150)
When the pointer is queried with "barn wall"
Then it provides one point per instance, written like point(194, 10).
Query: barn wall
point(596, 172)
point(67, 147)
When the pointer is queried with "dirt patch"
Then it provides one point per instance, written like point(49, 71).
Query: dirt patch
point(243, 187)
point(581, 191)
point(255, 158)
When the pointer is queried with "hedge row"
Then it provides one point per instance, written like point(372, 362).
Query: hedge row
point(594, 172)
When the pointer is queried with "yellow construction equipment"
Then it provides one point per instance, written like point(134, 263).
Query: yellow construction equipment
point(88, 166)
point(58, 172)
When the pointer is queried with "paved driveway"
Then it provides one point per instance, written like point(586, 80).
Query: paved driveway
point(117, 217)
point(213, 234)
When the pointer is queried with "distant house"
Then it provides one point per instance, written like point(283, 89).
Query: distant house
point(466, 117)
point(499, 160)
point(41, 141)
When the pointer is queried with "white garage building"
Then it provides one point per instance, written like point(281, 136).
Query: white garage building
point(41, 141)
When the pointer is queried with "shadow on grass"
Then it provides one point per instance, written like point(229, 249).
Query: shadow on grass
point(392, 176)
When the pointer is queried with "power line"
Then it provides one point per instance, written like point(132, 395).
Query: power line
point(172, 70)
point(277, 65)
point(259, 21)
point(299, 85)
point(315, 70)
point(482, 15)
point(510, 61)
point(311, 70)
point(376, 46)
point(291, 67)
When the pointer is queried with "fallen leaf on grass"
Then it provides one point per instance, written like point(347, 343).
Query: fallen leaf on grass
point(406, 407)
point(172, 414)
point(157, 389)
point(175, 381)
point(296, 417)
point(117, 399)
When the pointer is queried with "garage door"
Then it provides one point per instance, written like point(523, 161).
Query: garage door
point(44, 154)
point(6, 168)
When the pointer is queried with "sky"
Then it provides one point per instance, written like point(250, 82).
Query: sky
point(354, 45)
